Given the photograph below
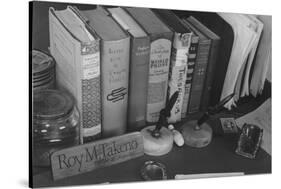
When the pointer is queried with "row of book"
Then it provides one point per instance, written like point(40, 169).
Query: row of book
point(122, 64)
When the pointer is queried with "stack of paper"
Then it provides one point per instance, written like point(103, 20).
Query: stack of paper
point(262, 67)
point(247, 34)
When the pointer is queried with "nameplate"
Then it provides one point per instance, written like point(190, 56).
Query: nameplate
point(87, 157)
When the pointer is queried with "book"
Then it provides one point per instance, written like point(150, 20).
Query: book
point(139, 68)
point(214, 49)
point(159, 62)
point(115, 47)
point(77, 54)
point(200, 69)
point(223, 29)
point(179, 57)
point(192, 54)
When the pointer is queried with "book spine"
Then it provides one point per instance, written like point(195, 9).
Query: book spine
point(209, 76)
point(139, 70)
point(199, 76)
point(160, 52)
point(178, 70)
point(115, 75)
point(90, 87)
point(189, 74)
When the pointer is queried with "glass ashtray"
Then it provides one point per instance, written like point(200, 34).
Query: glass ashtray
point(152, 170)
point(249, 141)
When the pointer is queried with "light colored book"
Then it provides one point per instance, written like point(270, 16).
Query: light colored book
point(76, 51)
point(115, 50)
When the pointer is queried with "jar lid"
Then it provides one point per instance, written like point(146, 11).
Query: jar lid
point(41, 62)
point(51, 104)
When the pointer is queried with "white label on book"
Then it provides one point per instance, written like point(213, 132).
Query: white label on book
point(91, 67)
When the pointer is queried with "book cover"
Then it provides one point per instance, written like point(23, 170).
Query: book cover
point(139, 68)
point(179, 57)
point(78, 70)
point(215, 41)
point(115, 47)
point(160, 52)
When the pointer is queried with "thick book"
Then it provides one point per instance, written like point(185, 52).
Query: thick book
point(115, 47)
point(77, 54)
point(179, 57)
point(215, 41)
point(139, 68)
point(200, 68)
point(160, 51)
point(192, 54)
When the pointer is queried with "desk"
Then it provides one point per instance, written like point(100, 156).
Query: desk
point(218, 157)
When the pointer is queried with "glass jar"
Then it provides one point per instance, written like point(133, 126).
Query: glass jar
point(55, 124)
point(43, 70)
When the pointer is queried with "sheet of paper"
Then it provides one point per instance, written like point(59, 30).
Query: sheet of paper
point(263, 57)
point(257, 27)
point(262, 118)
point(243, 40)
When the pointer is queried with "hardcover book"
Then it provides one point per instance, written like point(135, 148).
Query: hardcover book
point(179, 57)
point(192, 54)
point(77, 54)
point(223, 29)
point(160, 52)
point(115, 47)
point(139, 68)
point(199, 69)
point(214, 50)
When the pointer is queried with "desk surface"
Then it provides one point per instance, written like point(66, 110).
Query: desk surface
point(218, 157)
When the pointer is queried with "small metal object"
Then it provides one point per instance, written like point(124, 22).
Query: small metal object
point(152, 170)
point(249, 141)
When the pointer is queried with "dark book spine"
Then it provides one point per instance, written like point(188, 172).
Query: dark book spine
point(138, 82)
point(210, 74)
point(189, 75)
point(199, 75)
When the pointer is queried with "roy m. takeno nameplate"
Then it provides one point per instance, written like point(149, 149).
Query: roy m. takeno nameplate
point(90, 156)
